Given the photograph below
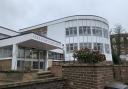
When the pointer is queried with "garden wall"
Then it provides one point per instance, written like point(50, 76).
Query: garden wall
point(5, 65)
point(13, 76)
point(121, 73)
point(83, 76)
point(56, 83)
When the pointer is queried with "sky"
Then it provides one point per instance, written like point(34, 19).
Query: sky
point(18, 14)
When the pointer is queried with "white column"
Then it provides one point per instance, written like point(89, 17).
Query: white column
point(14, 57)
point(46, 61)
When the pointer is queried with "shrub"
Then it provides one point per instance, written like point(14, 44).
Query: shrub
point(88, 56)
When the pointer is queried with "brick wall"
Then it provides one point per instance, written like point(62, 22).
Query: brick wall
point(121, 73)
point(5, 65)
point(57, 83)
point(82, 76)
point(17, 76)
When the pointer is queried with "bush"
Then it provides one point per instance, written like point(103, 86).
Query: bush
point(88, 56)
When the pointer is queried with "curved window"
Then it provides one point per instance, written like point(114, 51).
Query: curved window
point(98, 47)
point(105, 32)
point(97, 31)
point(84, 30)
point(107, 49)
point(71, 31)
point(86, 45)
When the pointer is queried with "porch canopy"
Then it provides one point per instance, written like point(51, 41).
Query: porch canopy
point(31, 40)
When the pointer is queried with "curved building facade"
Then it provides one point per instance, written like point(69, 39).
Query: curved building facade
point(79, 31)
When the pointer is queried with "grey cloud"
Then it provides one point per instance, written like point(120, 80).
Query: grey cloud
point(16, 14)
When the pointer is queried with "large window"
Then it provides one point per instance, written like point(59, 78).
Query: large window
point(84, 30)
point(97, 31)
point(35, 64)
point(86, 45)
point(98, 47)
point(107, 49)
point(21, 53)
point(31, 53)
point(105, 31)
point(71, 31)
point(71, 47)
point(35, 55)
point(6, 52)
point(55, 56)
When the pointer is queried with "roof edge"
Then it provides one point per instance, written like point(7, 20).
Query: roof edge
point(63, 18)
point(8, 29)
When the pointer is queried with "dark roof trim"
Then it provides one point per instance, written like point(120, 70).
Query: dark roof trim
point(64, 18)
point(4, 34)
point(30, 33)
point(8, 29)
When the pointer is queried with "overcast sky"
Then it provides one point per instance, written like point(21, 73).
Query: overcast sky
point(18, 14)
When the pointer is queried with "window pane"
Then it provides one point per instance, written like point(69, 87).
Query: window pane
point(88, 30)
point(35, 55)
point(75, 31)
point(71, 31)
point(21, 53)
point(67, 32)
point(6, 52)
point(98, 47)
point(81, 46)
point(105, 33)
point(35, 65)
point(107, 49)
point(97, 31)
point(86, 45)
point(80, 30)
point(84, 30)
point(71, 47)
point(41, 65)
point(67, 47)
point(75, 46)
point(50, 55)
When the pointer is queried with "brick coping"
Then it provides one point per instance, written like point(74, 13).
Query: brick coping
point(36, 81)
point(85, 65)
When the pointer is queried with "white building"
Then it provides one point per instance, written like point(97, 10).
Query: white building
point(32, 47)
point(23, 51)
point(77, 32)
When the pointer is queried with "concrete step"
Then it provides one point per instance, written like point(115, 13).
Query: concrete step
point(44, 72)
point(45, 76)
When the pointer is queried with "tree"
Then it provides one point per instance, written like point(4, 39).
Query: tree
point(118, 30)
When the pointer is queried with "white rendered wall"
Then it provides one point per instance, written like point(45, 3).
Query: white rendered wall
point(57, 32)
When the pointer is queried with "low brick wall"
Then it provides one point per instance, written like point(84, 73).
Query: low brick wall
point(121, 73)
point(83, 76)
point(56, 83)
point(6, 76)
point(5, 65)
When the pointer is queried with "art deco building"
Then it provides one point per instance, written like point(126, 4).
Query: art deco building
point(76, 32)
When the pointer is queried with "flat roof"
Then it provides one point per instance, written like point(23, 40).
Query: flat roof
point(62, 20)
point(8, 29)
point(29, 33)
point(29, 38)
